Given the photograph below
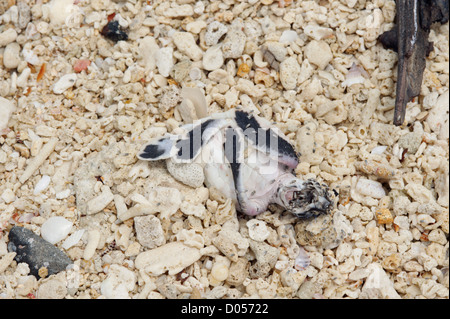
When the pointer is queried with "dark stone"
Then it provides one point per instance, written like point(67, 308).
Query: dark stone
point(36, 252)
point(114, 32)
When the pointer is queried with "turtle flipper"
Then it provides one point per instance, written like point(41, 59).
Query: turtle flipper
point(162, 148)
point(266, 139)
point(183, 148)
point(190, 145)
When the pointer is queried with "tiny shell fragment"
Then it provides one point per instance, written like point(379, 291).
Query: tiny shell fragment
point(384, 216)
point(243, 70)
point(172, 257)
point(41, 72)
point(81, 65)
point(370, 188)
point(65, 82)
point(377, 169)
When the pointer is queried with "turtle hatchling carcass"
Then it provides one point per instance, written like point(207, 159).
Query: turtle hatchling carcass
point(244, 157)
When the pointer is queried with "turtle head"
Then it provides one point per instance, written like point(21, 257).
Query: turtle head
point(305, 199)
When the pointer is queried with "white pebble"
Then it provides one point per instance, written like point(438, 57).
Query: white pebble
point(199, 7)
point(379, 283)
point(7, 108)
point(63, 194)
point(289, 72)
point(234, 43)
point(316, 32)
point(22, 79)
point(214, 32)
point(56, 229)
point(65, 82)
point(99, 202)
point(378, 150)
point(60, 10)
point(185, 43)
point(30, 57)
point(172, 257)
point(148, 49)
point(196, 26)
point(8, 196)
point(370, 188)
point(179, 11)
point(11, 57)
point(91, 246)
point(257, 230)
point(318, 53)
point(164, 60)
point(7, 37)
point(42, 184)
point(213, 58)
point(438, 116)
point(119, 282)
point(73, 239)
point(288, 36)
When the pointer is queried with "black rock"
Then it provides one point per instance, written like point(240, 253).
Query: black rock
point(36, 252)
point(114, 32)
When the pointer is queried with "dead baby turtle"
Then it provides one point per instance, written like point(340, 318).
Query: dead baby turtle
point(243, 156)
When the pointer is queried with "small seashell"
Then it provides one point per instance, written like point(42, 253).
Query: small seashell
point(219, 272)
point(356, 75)
point(42, 184)
point(302, 261)
point(243, 69)
point(196, 96)
point(270, 58)
point(195, 74)
point(56, 229)
point(262, 75)
point(73, 239)
point(384, 216)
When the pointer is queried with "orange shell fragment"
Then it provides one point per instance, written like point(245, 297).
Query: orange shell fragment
point(81, 65)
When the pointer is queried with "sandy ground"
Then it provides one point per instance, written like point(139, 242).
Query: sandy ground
point(76, 106)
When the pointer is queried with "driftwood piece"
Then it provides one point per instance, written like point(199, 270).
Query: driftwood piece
point(409, 38)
